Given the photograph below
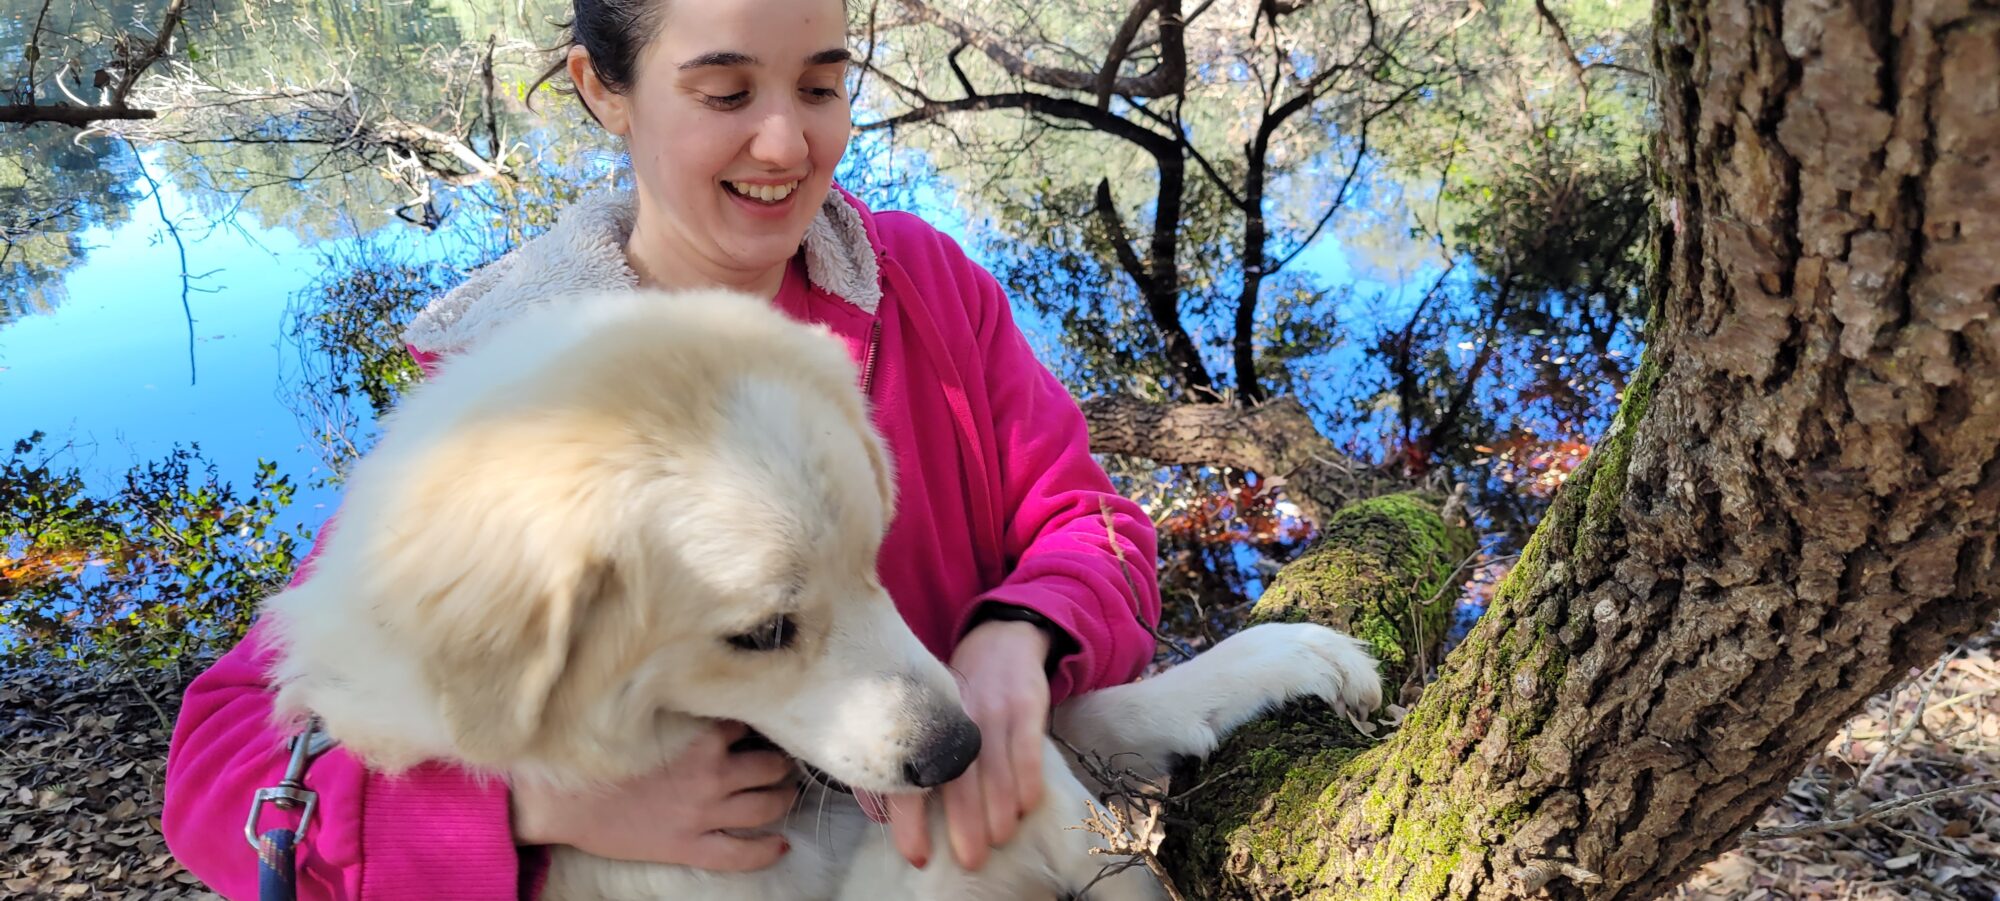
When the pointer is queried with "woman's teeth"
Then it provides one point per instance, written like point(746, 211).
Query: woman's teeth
point(765, 193)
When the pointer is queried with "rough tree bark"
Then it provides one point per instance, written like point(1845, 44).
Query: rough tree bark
point(1798, 502)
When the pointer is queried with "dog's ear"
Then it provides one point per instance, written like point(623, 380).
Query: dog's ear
point(501, 640)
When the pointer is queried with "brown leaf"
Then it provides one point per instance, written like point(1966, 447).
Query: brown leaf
point(124, 809)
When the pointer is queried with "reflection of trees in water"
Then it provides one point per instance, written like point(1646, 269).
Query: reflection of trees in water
point(167, 563)
point(326, 119)
point(348, 364)
point(52, 188)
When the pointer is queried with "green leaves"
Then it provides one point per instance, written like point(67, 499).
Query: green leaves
point(170, 562)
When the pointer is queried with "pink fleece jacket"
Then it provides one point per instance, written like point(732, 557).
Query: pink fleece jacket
point(998, 500)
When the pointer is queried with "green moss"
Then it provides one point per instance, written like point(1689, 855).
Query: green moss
point(1614, 454)
point(1379, 572)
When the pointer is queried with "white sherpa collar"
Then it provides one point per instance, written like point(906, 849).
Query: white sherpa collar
point(585, 251)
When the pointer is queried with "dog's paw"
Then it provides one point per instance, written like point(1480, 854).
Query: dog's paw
point(1309, 659)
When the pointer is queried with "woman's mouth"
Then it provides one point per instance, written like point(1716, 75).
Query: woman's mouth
point(762, 193)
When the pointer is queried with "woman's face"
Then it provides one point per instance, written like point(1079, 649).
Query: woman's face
point(735, 120)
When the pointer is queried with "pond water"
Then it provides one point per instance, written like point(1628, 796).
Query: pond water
point(101, 344)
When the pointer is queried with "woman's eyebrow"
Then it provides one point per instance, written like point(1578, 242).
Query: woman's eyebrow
point(734, 58)
point(720, 58)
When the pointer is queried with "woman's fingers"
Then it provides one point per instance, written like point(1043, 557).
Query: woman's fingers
point(909, 827)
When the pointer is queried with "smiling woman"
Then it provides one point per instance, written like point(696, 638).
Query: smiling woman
point(733, 151)
point(1010, 555)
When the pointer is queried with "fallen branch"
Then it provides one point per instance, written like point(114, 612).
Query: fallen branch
point(116, 104)
point(1875, 812)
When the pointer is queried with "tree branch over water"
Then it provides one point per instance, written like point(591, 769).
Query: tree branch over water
point(129, 63)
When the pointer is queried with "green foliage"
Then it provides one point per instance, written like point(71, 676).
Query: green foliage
point(347, 330)
point(171, 563)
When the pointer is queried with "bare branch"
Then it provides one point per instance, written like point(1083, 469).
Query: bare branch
point(115, 107)
point(173, 232)
point(1165, 80)
point(1874, 812)
point(1058, 107)
point(1121, 243)
point(1568, 52)
point(1121, 45)
point(34, 51)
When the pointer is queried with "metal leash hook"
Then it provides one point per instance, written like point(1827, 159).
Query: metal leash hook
point(276, 867)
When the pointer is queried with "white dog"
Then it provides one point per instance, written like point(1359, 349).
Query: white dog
point(619, 518)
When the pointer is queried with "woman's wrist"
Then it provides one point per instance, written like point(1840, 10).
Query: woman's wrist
point(1058, 645)
point(529, 817)
point(1016, 632)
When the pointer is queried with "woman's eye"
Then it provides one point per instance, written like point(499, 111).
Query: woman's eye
point(774, 634)
point(822, 95)
point(725, 101)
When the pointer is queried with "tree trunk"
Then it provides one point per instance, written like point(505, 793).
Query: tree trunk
point(1798, 502)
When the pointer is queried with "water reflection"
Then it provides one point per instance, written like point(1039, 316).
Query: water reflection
point(276, 171)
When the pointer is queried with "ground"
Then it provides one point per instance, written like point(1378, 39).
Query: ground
point(80, 794)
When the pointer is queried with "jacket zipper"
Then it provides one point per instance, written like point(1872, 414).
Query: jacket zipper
point(868, 358)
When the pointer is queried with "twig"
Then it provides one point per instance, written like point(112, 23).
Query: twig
point(1117, 550)
point(34, 50)
point(166, 722)
point(1841, 801)
point(1873, 813)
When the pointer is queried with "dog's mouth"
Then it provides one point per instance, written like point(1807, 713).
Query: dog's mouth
point(819, 777)
point(758, 741)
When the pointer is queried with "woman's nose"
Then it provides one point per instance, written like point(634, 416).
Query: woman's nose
point(780, 141)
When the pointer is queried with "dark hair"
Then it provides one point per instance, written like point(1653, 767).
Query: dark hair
point(614, 33)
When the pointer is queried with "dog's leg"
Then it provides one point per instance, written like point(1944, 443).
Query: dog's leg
point(1188, 710)
point(1053, 858)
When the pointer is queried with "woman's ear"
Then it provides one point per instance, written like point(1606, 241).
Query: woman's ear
point(609, 107)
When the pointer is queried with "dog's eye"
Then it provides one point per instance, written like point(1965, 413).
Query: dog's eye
point(774, 634)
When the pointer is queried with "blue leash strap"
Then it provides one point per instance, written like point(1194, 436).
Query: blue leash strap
point(277, 870)
point(277, 858)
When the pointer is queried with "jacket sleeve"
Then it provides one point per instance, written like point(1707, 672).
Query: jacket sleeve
point(1080, 554)
point(434, 832)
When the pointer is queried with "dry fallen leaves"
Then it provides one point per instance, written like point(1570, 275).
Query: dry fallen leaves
point(80, 785)
point(1948, 850)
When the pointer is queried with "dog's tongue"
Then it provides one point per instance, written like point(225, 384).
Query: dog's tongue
point(874, 805)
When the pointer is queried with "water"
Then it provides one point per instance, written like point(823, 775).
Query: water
point(119, 351)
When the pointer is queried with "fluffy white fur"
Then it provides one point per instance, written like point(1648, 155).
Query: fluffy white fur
point(539, 570)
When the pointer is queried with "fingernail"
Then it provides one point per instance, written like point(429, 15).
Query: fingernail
point(921, 862)
point(784, 848)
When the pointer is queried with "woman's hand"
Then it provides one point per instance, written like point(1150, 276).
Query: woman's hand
point(1006, 693)
point(709, 809)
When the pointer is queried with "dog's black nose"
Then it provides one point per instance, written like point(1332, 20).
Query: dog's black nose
point(945, 754)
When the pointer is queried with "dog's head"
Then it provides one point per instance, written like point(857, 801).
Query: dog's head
point(599, 529)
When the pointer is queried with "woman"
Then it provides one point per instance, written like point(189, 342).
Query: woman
point(1010, 555)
